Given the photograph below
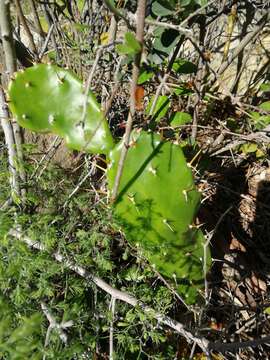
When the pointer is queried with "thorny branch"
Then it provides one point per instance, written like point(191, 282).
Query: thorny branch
point(53, 324)
point(135, 74)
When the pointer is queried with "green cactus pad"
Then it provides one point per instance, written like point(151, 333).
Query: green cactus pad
point(156, 206)
point(48, 98)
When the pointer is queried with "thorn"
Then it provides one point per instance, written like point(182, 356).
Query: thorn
point(133, 143)
point(24, 116)
point(51, 119)
point(185, 195)
point(152, 170)
point(186, 191)
point(61, 78)
point(27, 85)
point(131, 197)
point(165, 221)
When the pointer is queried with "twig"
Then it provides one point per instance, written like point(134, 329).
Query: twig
point(54, 325)
point(26, 27)
point(197, 12)
point(135, 74)
point(90, 78)
point(36, 19)
point(53, 146)
point(247, 39)
point(50, 22)
point(166, 75)
point(240, 345)
point(178, 28)
point(206, 245)
point(112, 308)
point(108, 103)
point(42, 52)
point(118, 14)
point(7, 39)
point(11, 67)
point(10, 142)
point(116, 294)
point(259, 137)
point(89, 173)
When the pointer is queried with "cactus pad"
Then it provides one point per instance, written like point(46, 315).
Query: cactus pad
point(48, 98)
point(156, 206)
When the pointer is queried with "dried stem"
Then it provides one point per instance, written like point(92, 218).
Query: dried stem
point(112, 308)
point(7, 39)
point(247, 39)
point(26, 27)
point(10, 142)
point(135, 74)
point(11, 67)
point(36, 19)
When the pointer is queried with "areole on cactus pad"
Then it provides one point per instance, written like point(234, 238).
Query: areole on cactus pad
point(157, 198)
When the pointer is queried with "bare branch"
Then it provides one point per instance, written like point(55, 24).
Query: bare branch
point(247, 39)
point(112, 308)
point(135, 74)
point(7, 39)
point(10, 142)
point(26, 27)
point(11, 67)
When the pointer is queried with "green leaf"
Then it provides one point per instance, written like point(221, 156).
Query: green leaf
point(145, 76)
point(162, 8)
point(265, 106)
point(180, 118)
point(267, 310)
point(265, 87)
point(165, 39)
point(131, 45)
point(132, 42)
point(184, 67)
point(254, 115)
point(161, 107)
point(182, 90)
point(201, 2)
point(185, 2)
point(260, 121)
point(248, 148)
point(122, 324)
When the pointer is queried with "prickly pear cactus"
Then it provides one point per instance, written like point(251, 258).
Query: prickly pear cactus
point(157, 198)
point(48, 98)
point(156, 206)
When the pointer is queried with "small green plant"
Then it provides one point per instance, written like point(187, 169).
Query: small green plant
point(157, 199)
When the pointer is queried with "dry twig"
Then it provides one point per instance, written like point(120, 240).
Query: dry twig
point(135, 74)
